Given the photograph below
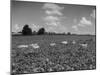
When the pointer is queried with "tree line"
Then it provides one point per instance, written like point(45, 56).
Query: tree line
point(26, 30)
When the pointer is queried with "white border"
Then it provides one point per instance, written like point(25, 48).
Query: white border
point(5, 36)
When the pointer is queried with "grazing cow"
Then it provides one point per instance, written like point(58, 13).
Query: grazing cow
point(64, 42)
point(23, 46)
point(52, 44)
point(37, 69)
point(35, 46)
point(84, 45)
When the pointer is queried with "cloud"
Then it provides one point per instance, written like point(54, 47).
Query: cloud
point(53, 9)
point(57, 29)
point(17, 27)
point(93, 14)
point(35, 27)
point(51, 18)
point(53, 23)
point(54, 17)
point(84, 22)
point(52, 6)
point(53, 12)
point(75, 27)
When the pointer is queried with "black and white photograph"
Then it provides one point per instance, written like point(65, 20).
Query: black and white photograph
point(52, 37)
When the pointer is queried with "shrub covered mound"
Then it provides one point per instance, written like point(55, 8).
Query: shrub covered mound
point(61, 57)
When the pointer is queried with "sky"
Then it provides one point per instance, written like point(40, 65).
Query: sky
point(54, 17)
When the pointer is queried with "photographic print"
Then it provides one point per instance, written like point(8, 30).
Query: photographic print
point(52, 37)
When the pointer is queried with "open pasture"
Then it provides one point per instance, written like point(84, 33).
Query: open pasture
point(47, 53)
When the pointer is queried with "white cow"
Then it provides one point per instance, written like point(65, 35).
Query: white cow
point(64, 42)
point(84, 45)
point(23, 46)
point(35, 46)
point(52, 44)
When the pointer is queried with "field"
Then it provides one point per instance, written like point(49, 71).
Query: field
point(55, 58)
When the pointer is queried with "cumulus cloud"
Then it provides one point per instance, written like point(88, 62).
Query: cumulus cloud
point(53, 12)
point(35, 27)
point(53, 23)
point(17, 27)
point(93, 14)
point(75, 27)
point(53, 9)
point(84, 22)
point(52, 6)
point(57, 29)
point(53, 17)
point(52, 20)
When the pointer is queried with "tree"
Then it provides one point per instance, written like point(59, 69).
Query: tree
point(68, 33)
point(41, 31)
point(26, 30)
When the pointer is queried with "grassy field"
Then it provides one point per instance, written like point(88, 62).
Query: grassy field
point(46, 58)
